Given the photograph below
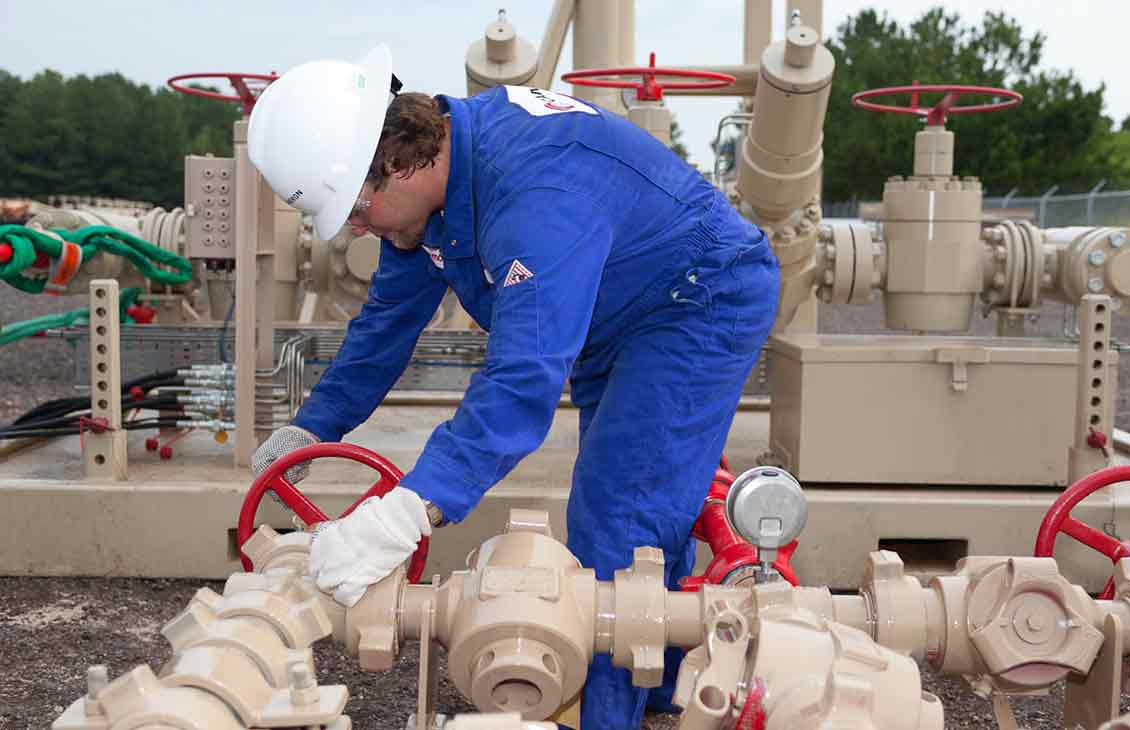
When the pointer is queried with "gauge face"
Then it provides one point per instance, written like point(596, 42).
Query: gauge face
point(741, 575)
point(766, 507)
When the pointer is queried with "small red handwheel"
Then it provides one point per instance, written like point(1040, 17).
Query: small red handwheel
point(1058, 519)
point(936, 114)
point(274, 479)
point(245, 94)
point(647, 88)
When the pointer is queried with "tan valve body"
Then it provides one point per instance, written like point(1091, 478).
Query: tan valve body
point(518, 640)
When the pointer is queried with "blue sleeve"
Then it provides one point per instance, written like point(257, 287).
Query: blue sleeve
point(403, 296)
point(546, 250)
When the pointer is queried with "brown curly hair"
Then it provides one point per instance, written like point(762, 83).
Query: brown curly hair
point(412, 137)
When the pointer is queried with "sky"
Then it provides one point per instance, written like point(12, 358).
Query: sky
point(151, 40)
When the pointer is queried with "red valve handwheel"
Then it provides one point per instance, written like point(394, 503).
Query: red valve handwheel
point(648, 89)
point(937, 114)
point(274, 479)
point(245, 94)
point(1058, 519)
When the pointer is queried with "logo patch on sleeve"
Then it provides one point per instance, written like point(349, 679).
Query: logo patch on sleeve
point(517, 274)
point(542, 103)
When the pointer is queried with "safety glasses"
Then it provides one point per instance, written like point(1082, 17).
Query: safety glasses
point(374, 181)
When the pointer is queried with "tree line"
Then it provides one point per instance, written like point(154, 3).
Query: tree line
point(103, 136)
point(108, 136)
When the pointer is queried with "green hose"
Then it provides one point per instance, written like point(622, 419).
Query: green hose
point(27, 243)
point(27, 328)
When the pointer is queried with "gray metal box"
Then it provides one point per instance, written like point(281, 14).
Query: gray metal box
point(209, 206)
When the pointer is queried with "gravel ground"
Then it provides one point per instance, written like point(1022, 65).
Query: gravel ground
point(38, 368)
point(51, 629)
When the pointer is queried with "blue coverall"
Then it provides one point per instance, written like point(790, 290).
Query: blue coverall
point(588, 250)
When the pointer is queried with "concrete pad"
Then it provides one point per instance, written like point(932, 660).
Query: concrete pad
point(177, 518)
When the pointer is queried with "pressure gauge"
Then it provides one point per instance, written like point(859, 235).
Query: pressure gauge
point(767, 508)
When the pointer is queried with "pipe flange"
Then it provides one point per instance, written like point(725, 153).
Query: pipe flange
point(639, 635)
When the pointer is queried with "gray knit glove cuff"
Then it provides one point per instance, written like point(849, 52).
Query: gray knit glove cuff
point(279, 444)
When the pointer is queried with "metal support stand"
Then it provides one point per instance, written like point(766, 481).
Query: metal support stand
point(1096, 389)
point(1092, 700)
point(105, 441)
point(254, 286)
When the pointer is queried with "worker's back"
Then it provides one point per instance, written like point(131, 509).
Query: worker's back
point(662, 212)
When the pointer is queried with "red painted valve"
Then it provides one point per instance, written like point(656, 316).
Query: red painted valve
point(735, 560)
point(1058, 519)
point(141, 313)
point(936, 114)
point(5, 253)
point(274, 479)
point(648, 88)
point(245, 94)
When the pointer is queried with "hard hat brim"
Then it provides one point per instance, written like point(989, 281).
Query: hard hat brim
point(377, 67)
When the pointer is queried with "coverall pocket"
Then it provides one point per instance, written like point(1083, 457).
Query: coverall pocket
point(753, 306)
point(515, 325)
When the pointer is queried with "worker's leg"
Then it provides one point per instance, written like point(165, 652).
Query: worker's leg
point(654, 418)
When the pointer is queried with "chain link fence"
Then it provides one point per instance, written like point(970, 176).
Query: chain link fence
point(1095, 208)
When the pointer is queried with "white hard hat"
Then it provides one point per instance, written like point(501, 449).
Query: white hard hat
point(313, 133)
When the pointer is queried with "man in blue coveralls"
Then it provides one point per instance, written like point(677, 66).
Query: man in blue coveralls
point(586, 249)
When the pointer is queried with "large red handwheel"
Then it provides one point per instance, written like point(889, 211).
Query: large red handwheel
point(274, 479)
point(647, 87)
point(948, 105)
point(1058, 519)
point(245, 94)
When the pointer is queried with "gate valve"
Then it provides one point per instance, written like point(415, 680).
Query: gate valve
point(6, 253)
point(1058, 519)
point(274, 479)
point(735, 560)
point(936, 115)
point(648, 88)
point(246, 94)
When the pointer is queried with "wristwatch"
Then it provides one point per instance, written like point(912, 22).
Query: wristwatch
point(435, 514)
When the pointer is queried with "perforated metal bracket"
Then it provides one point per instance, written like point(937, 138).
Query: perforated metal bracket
point(104, 441)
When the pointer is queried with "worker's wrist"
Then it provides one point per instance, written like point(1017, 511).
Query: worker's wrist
point(435, 514)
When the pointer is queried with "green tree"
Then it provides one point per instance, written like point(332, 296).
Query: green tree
point(1056, 137)
point(104, 136)
point(677, 145)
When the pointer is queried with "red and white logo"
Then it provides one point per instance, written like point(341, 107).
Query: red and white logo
point(555, 102)
point(541, 103)
point(436, 256)
point(517, 274)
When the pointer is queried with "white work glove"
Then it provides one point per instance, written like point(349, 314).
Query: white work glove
point(350, 554)
point(279, 444)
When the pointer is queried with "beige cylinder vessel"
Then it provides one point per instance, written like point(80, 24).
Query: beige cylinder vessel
point(782, 154)
point(499, 57)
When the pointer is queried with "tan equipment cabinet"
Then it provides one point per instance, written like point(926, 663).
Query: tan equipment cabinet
point(883, 409)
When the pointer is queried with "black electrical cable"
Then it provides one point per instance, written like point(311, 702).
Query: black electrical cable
point(83, 404)
point(62, 406)
point(155, 403)
point(144, 424)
